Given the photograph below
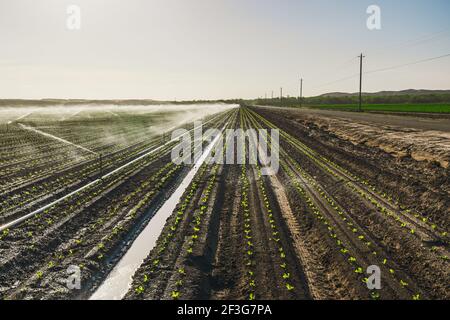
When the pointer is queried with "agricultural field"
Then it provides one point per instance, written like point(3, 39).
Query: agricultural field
point(95, 189)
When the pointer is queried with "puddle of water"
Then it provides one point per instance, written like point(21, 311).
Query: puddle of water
point(120, 279)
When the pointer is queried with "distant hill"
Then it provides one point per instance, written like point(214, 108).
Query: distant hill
point(410, 96)
point(387, 93)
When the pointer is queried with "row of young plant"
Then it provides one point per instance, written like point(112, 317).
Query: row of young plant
point(39, 146)
point(78, 249)
point(31, 198)
point(18, 142)
point(388, 198)
point(357, 268)
point(47, 153)
point(25, 198)
point(389, 213)
point(76, 202)
point(345, 217)
point(50, 156)
point(114, 221)
point(128, 150)
point(59, 155)
point(248, 236)
point(56, 179)
point(70, 177)
point(342, 214)
point(152, 264)
point(249, 257)
point(275, 233)
point(198, 224)
point(99, 250)
point(135, 204)
point(381, 208)
point(317, 159)
point(25, 168)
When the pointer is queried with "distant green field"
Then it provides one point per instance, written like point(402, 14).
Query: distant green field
point(426, 108)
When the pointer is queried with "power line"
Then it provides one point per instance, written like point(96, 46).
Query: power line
point(336, 81)
point(345, 64)
point(408, 43)
point(428, 39)
point(407, 64)
point(415, 41)
point(381, 70)
point(338, 67)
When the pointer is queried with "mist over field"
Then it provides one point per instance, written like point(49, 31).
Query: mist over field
point(174, 114)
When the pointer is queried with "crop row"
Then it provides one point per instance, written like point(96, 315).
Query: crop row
point(249, 259)
point(168, 241)
point(326, 165)
point(76, 202)
point(27, 198)
point(138, 196)
point(197, 225)
point(115, 222)
point(345, 217)
point(358, 234)
point(275, 233)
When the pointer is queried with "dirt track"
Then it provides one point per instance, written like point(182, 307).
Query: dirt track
point(420, 122)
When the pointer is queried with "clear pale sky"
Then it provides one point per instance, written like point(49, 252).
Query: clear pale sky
point(213, 49)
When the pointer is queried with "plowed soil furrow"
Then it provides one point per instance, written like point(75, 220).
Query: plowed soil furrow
point(24, 261)
point(363, 254)
point(360, 250)
point(424, 231)
point(228, 274)
point(276, 236)
point(417, 279)
point(177, 266)
point(405, 180)
point(160, 274)
point(91, 230)
point(268, 285)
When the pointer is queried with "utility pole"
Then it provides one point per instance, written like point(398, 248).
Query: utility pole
point(272, 94)
point(281, 96)
point(301, 91)
point(360, 81)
